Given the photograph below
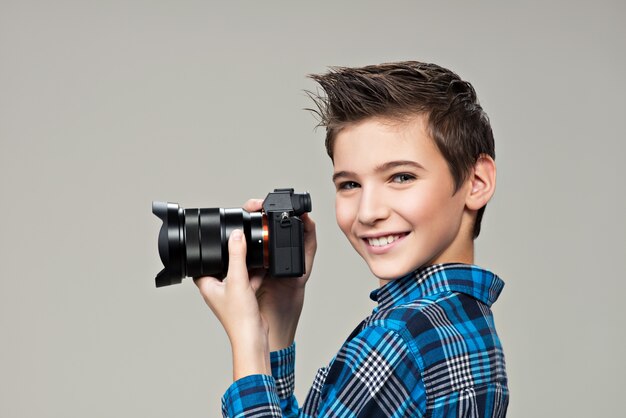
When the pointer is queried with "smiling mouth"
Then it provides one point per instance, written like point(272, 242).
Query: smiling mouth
point(382, 241)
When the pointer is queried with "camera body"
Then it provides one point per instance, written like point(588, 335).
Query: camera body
point(194, 242)
point(282, 209)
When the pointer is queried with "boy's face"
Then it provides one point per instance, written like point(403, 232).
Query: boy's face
point(395, 198)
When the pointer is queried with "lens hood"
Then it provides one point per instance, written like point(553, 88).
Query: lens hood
point(171, 243)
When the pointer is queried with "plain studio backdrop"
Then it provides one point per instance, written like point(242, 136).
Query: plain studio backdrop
point(108, 105)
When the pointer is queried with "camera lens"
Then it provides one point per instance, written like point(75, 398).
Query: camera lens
point(194, 242)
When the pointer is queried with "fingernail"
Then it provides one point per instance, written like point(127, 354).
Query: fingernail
point(237, 234)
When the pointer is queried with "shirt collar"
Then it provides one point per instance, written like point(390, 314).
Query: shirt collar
point(428, 281)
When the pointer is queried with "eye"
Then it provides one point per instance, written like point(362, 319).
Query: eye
point(403, 178)
point(347, 185)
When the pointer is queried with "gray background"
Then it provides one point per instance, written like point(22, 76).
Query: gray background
point(108, 105)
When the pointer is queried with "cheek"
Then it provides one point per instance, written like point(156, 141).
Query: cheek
point(429, 209)
point(344, 215)
point(420, 209)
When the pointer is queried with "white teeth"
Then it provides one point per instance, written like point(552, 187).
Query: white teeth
point(380, 241)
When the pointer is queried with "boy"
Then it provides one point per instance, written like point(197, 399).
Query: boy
point(413, 157)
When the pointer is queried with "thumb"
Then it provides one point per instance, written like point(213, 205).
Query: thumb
point(237, 269)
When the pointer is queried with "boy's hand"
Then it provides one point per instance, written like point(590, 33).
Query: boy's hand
point(234, 303)
point(280, 300)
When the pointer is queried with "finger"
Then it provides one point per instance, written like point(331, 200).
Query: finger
point(309, 225)
point(310, 242)
point(310, 234)
point(257, 277)
point(209, 288)
point(205, 282)
point(253, 205)
point(256, 280)
point(258, 272)
point(237, 269)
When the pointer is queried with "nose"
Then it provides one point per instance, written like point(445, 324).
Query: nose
point(372, 207)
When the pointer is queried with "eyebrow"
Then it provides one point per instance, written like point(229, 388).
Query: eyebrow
point(382, 168)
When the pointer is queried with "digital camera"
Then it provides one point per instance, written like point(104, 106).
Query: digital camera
point(194, 242)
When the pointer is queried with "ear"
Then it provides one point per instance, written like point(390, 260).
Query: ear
point(482, 183)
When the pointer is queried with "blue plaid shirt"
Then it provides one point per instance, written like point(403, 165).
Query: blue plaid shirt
point(429, 348)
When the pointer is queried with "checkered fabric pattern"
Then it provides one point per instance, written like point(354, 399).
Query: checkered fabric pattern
point(429, 349)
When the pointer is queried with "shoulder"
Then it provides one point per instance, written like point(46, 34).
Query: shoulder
point(453, 338)
point(434, 320)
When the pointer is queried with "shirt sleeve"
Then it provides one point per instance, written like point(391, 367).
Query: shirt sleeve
point(263, 395)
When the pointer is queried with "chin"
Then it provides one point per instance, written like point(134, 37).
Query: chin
point(389, 273)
